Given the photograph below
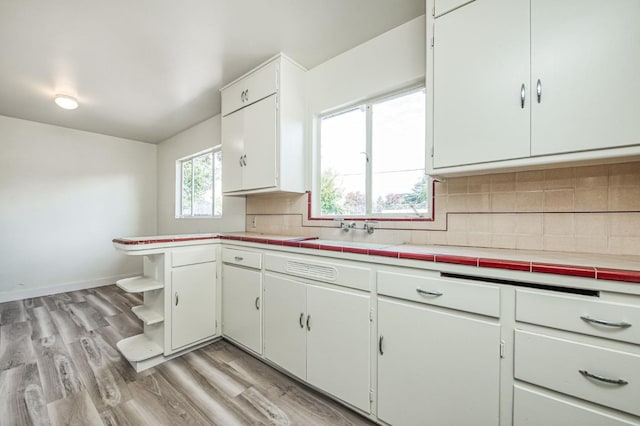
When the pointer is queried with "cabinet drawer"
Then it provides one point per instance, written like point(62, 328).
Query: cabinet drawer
point(191, 255)
point(533, 408)
point(564, 365)
point(433, 290)
point(339, 273)
point(257, 85)
point(250, 259)
point(587, 315)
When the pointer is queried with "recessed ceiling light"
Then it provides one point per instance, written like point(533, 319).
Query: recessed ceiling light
point(66, 101)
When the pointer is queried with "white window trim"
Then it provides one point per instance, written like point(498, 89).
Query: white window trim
point(178, 186)
point(317, 167)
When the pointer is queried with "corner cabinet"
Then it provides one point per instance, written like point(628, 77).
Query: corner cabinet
point(263, 130)
point(517, 83)
point(180, 309)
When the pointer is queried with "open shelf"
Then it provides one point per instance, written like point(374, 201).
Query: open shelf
point(138, 348)
point(148, 315)
point(139, 284)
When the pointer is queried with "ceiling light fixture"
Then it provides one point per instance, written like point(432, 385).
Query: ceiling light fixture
point(66, 101)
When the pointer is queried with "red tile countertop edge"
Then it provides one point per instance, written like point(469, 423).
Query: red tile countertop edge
point(163, 240)
point(458, 260)
point(618, 275)
point(576, 271)
point(514, 265)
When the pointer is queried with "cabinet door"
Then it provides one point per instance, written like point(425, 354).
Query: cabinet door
point(586, 54)
point(338, 342)
point(436, 367)
point(481, 62)
point(284, 324)
point(260, 144)
point(232, 150)
point(193, 303)
point(241, 291)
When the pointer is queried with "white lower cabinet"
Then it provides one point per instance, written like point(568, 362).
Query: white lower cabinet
point(193, 314)
point(241, 301)
point(321, 335)
point(435, 366)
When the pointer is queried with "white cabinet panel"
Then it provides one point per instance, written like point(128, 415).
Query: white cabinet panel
point(435, 367)
point(232, 151)
point(255, 86)
point(285, 334)
point(586, 55)
point(534, 408)
point(241, 302)
point(259, 170)
point(481, 63)
point(338, 344)
point(193, 303)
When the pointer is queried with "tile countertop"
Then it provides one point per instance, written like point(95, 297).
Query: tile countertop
point(596, 266)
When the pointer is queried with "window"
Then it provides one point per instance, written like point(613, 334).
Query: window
point(199, 185)
point(372, 159)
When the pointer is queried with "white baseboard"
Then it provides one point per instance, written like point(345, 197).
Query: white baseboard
point(27, 293)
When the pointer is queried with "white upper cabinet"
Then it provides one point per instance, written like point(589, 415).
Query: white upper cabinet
point(480, 67)
point(523, 83)
point(263, 131)
point(586, 55)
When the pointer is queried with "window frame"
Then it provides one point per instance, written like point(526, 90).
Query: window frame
point(315, 209)
point(179, 179)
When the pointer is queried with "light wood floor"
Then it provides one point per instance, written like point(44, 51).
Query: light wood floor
point(59, 365)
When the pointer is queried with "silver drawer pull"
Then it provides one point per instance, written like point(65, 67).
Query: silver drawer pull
point(301, 318)
point(522, 95)
point(257, 303)
point(428, 293)
point(238, 259)
point(621, 324)
point(620, 382)
point(308, 325)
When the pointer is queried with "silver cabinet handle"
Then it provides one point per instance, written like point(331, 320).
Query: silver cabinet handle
point(429, 293)
point(380, 345)
point(244, 159)
point(539, 90)
point(177, 299)
point(238, 258)
point(240, 160)
point(621, 324)
point(242, 96)
point(620, 382)
point(258, 303)
point(522, 93)
point(301, 318)
point(246, 95)
point(308, 325)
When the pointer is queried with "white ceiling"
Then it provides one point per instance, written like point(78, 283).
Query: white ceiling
point(147, 69)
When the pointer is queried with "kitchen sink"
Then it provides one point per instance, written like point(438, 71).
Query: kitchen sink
point(356, 244)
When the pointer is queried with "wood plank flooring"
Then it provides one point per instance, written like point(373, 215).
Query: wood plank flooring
point(59, 366)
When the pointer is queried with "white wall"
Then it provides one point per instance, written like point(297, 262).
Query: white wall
point(64, 195)
point(197, 138)
point(391, 61)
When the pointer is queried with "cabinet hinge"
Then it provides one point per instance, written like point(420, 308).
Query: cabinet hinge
point(370, 395)
point(431, 151)
point(433, 9)
point(371, 315)
point(501, 348)
point(216, 325)
point(433, 42)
